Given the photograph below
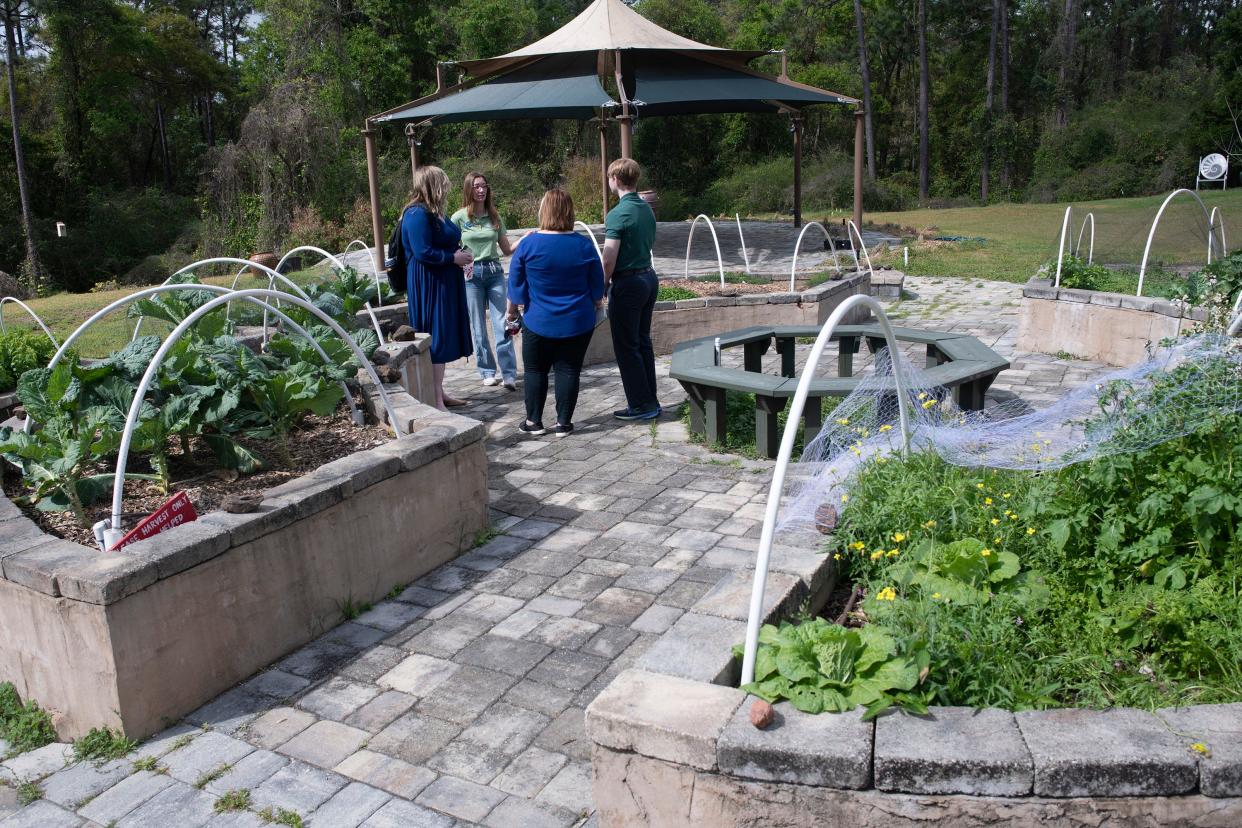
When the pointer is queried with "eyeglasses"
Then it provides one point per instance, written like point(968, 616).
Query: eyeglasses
point(480, 186)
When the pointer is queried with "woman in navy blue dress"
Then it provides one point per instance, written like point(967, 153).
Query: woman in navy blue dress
point(436, 287)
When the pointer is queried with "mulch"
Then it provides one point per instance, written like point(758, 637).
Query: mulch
point(700, 288)
point(319, 440)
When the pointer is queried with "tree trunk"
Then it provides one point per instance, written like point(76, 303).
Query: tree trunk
point(164, 160)
point(865, 68)
point(33, 276)
point(986, 166)
point(1006, 167)
point(1068, 41)
point(924, 91)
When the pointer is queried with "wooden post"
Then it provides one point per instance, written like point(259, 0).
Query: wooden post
point(625, 118)
point(439, 76)
point(858, 170)
point(797, 170)
point(603, 165)
point(377, 226)
point(409, 136)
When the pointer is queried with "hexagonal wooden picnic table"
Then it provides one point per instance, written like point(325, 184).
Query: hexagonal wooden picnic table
point(956, 361)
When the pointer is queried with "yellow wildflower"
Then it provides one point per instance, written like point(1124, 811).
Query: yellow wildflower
point(1006, 495)
point(892, 553)
point(880, 461)
point(987, 501)
point(922, 395)
point(858, 545)
point(877, 554)
point(935, 596)
point(929, 404)
point(1047, 442)
point(884, 428)
point(978, 485)
point(1199, 747)
point(987, 553)
point(995, 521)
point(843, 421)
point(1030, 530)
point(845, 498)
point(931, 524)
point(886, 594)
point(899, 537)
point(996, 539)
point(836, 556)
point(1013, 516)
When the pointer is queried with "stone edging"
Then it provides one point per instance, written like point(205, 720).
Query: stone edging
point(826, 290)
point(679, 705)
point(61, 568)
point(1043, 289)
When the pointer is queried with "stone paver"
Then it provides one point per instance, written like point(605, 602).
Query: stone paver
point(463, 698)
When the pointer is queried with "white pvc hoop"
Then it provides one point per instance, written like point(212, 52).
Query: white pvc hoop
point(340, 266)
point(1091, 247)
point(772, 507)
point(1218, 220)
point(850, 225)
point(793, 267)
point(594, 241)
point(142, 294)
point(365, 247)
point(1156, 222)
point(745, 254)
point(715, 241)
point(33, 316)
point(112, 533)
point(1061, 246)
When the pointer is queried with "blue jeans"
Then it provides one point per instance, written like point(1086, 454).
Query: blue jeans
point(630, 306)
point(486, 293)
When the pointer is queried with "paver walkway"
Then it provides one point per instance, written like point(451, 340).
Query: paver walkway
point(461, 700)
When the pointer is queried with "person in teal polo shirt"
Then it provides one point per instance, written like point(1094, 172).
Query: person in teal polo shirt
point(483, 234)
point(629, 233)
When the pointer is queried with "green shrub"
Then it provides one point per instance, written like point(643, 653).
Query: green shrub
point(25, 726)
point(21, 351)
point(671, 293)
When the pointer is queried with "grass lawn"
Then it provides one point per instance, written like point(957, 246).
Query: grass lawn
point(1018, 238)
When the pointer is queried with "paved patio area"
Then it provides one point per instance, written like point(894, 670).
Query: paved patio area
point(460, 701)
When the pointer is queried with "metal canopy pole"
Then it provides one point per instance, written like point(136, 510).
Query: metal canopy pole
point(377, 227)
point(796, 128)
point(414, 142)
point(603, 165)
point(858, 169)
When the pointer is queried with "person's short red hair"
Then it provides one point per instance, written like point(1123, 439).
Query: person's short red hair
point(556, 211)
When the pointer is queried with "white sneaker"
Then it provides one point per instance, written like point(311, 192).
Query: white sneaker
point(510, 385)
point(491, 381)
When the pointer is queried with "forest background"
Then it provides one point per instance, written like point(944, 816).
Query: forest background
point(163, 130)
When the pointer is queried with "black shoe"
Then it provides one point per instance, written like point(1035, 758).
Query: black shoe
point(563, 430)
point(531, 430)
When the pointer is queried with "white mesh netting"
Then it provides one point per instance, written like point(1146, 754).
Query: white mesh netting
point(1177, 391)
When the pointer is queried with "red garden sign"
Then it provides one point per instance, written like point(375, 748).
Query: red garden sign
point(176, 511)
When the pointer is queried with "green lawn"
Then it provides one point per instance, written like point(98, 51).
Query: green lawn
point(1018, 238)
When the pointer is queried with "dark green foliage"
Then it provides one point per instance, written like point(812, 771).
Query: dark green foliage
point(25, 726)
point(21, 351)
point(673, 293)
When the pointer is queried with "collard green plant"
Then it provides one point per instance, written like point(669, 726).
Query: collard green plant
point(822, 667)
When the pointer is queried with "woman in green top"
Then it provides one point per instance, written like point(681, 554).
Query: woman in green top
point(483, 234)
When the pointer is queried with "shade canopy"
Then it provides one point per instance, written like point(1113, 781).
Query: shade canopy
point(560, 86)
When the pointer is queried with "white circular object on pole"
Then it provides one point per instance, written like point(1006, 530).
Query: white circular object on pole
point(1213, 167)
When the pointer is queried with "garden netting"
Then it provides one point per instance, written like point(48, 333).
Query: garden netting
point(1178, 390)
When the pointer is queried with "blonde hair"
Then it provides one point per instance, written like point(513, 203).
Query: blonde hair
point(556, 211)
point(626, 171)
point(430, 188)
point(467, 198)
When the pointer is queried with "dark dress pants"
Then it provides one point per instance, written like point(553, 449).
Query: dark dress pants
point(630, 306)
point(564, 356)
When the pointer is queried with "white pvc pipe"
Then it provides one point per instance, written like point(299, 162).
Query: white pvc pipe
point(745, 254)
point(755, 616)
point(1218, 220)
point(113, 533)
point(793, 267)
point(365, 247)
point(1155, 223)
point(1091, 249)
point(142, 294)
point(340, 266)
point(595, 242)
point(1061, 246)
point(26, 308)
point(850, 225)
point(716, 241)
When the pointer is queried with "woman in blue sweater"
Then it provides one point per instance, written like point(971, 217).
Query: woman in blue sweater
point(436, 289)
point(557, 281)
